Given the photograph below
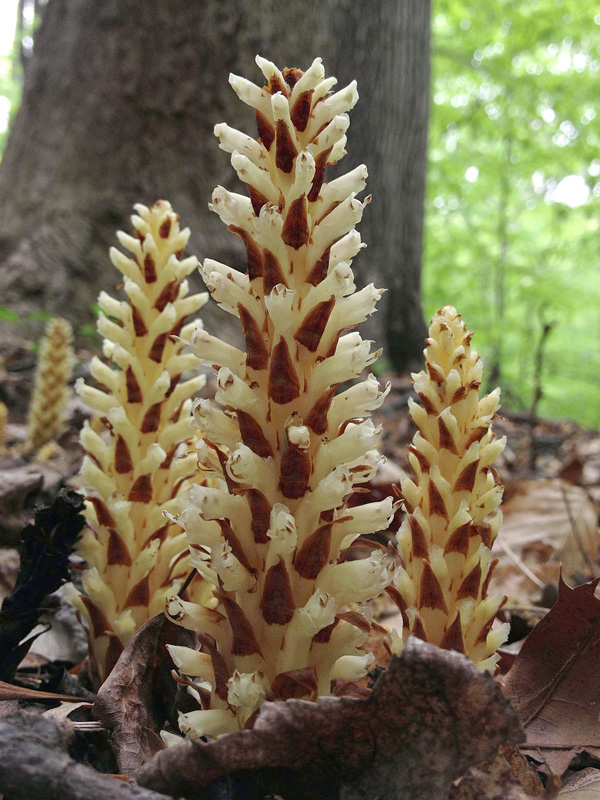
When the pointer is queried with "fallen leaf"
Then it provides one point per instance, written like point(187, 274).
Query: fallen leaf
point(34, 764)
point(549, 520)
point(62, 711)
point(137, 696)
point(584, 785)
point(430, 716)
point(508, 777)
point(555, 681)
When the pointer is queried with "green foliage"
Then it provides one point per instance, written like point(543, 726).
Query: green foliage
point(10, 95)
point(514, 113)
point(40, 316)
point(7, 315)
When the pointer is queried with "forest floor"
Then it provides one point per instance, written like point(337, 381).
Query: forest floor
point(551, 474)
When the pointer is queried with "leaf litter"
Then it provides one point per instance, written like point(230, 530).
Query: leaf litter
point(549, 521)
point(428, 701)
point(555, 681)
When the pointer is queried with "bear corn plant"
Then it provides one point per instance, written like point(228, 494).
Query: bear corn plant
point(452, 515)
point(138, 455)
point(284, 442)
point(51, 389)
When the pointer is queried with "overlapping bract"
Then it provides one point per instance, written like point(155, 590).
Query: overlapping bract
point(285, 448)
point(139, 466)
point(51, 386)
point(452, 505)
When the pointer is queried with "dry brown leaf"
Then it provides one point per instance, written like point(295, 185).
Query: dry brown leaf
point(558, 515)
point(139, 693)
point(431, 715)
point(62, 711)
point(555, 681)
point(508, 777)
point(584, 785)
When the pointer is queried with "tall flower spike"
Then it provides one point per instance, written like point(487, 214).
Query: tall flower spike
point(452, 515)
point(3, 423)
point(286, 448)
point(51, 386)
point(139, 468)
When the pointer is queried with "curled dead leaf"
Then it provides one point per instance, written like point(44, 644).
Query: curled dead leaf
point(555, 681)
point(139, 693)
point(430, 716)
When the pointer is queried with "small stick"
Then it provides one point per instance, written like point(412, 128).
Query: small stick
point(520, 564)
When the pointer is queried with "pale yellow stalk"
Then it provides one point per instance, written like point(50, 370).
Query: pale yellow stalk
point(285, 444)
point(51, 390)
point(139, 467)
point(452, 510)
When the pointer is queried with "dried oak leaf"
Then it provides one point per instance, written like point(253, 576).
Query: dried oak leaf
point(136, 698)
point(547, 524)
point(508, 777)
point(584, 785)
point(555, 681)
point(431, 715)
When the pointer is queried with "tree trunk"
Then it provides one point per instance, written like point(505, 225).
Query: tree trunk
point(119, 106)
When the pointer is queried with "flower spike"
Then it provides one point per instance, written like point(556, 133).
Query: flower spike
point(287, 448)
point(452, 515)
point(51, 390)
point(136, 470)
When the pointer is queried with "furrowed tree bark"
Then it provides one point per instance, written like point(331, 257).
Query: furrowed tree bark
point(119, 105)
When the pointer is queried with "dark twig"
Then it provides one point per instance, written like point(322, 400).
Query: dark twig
point(538, 391)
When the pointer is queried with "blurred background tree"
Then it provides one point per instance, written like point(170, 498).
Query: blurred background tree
point(513, 189)
point(119, 104)
point(513, 194)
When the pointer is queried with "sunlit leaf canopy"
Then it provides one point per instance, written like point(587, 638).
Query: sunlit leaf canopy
point(513, 197)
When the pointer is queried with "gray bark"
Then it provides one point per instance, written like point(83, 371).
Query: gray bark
point(119, 105)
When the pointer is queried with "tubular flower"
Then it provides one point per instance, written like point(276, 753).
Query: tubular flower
point(139, 468)
point(452, 515)
point(51, 386)
point(285, 448)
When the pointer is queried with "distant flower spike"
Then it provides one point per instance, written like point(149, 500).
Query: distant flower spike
point(3, 423)
point(286, 449)
point(140, 467)
point(51, 390)
point(452, 505)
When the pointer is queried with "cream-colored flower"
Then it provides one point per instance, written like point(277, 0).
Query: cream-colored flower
point(51, 390)
point(140, 466)
point(286, 448)
point(452, 510)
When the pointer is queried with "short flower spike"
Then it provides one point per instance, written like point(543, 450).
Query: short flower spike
point(51, 387)
point(452, 515)
point(287, 449)
point(139, 466)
